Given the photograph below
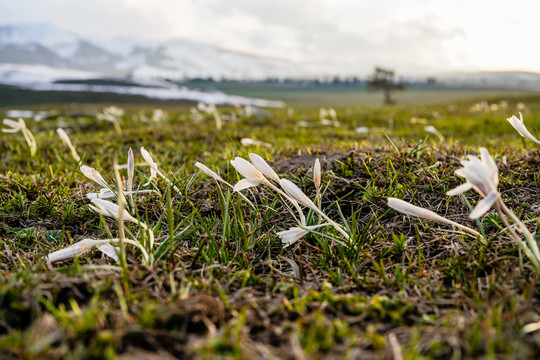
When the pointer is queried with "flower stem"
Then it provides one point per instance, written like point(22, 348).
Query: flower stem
point(500, 206)
point(294, 202)
point(530, 238)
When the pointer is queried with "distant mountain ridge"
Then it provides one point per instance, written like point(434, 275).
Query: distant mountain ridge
point(44, 52)
point(46, 44)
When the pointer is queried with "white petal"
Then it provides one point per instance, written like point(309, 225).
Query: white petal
point(249, 142)
point(208, 172)
point(246, 183)
point(483, 205)
point(110, 251)
point(63, 135)
point(15, 125)
point(94, 175)
point(245, 168)
point(490, 164)
point(148, 158)
point(65, 138)
point(73, 250)
point(460, 189)
point(108, 208)
point(410, 209)
point(10, 130)
point(317, 174)
point(261, 165)
point(294, 191)
point(520, 127)
point(130, 169)
point(289, 237)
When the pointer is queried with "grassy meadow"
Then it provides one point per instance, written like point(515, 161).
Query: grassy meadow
point(219, 282)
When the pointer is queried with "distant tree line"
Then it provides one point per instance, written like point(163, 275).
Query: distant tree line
point(341, 81)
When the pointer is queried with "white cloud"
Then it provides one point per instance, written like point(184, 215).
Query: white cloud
point(345, 35)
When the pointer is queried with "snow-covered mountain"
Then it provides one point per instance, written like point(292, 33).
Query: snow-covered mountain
point(45, 44)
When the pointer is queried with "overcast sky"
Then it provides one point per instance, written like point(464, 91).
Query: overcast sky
point(413, 36)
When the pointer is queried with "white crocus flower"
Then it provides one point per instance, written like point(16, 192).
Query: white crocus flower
point(130, 174)
point(110, 251)
point(65, 138)
point(15, 126)
point(112, 114)
point(218, 178)
point(362, 129)
point(317, 182)
point(482, 176)
point(20, 125)
point(289, 237)
point(84, 245)
point(252, 142)
point(110, 209)
point(298, 195)
point(317, 176)
point(78, 249)
point(409, 209)
point(333, 115)
point(253, 177)
point(106, 194)
point(210, 173)
point(107, 208)
point(520, 127)
point(154, 169)
point(94, 175)
point(432, 130)
point(150, 161)
point(294, 191)
point(261, 165)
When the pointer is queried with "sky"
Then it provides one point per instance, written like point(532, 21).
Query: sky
point(339, 36)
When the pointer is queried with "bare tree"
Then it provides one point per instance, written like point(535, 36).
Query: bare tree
point(384, 79)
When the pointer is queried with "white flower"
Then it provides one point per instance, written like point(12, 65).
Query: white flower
point(20, 125)
point(94, 175)
point(263, 167)
point(15, 126)
point(252, 142)
point(294, 192)
point(153, 166)
point(154, 169)
point(317, 175)
point(65, 138)
point(409, 209)
point(102, 194)
point(110, 251)
point(323, 113)
point(106, 194)
point(130, 174)
point(333, 115)
point(212, 110)
point(482, 176)
point(253, 177)
point(210, 173)
point(520, 127)
point(289, 237)
point(80, 248)
point(111, 114)
point(104, 246)
point(215, 176)
point(431, 129)
point(110, 209)
point(362, 129)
